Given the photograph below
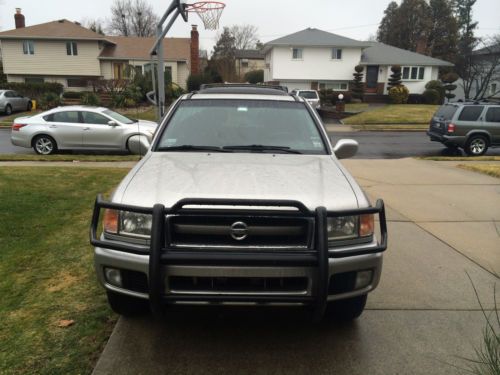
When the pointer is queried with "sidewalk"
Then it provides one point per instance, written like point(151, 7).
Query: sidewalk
point(424, 316)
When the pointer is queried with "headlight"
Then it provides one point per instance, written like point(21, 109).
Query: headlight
point(127, 223)
point(350, 227)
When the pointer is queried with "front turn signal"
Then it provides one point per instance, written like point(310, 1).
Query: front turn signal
point(366, 225)
point(110, 221)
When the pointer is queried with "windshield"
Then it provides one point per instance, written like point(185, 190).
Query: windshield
point(446, 111)
point(242, 126)
point(118, 117)
point(309, 94)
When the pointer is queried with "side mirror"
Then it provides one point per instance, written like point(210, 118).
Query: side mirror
point(139, 144)
point(346, 148)
point(112, 123)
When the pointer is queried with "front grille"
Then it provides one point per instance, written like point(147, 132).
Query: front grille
point(186, 284)
point(239, 232)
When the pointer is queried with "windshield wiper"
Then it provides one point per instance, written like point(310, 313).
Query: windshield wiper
point(192, 148)
point(262, 148)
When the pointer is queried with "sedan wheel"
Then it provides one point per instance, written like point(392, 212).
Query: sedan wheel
point(44, 145)
point(8, 110)
point(29, 106)
point(476, 146)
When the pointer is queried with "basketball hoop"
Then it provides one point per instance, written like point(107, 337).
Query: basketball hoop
point(209, 12)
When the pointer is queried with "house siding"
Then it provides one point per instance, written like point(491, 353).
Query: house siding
point(316, 64)
point(50, 59)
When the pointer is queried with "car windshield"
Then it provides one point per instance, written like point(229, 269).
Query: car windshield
point(309, 94)
point(242, 126)
point(446, 111)
point(119, 118)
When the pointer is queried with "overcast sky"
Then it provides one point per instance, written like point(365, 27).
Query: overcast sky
point(274, 18)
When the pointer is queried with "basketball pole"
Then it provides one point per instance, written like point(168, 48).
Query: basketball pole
point(176, 6)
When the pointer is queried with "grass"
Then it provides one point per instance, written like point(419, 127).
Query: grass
point(68, 157)
point(394, 114)
point(460, 158)
point(356, 107)
point(391, 127)
point(489, 169)
point(47, 270)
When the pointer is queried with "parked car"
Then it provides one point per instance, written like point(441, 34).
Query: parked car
point(311, 96)
point(11, 101)
point(472, 126)
point(240, 199)
point(81, 128)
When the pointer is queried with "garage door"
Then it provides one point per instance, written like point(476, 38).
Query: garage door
point(296, 85)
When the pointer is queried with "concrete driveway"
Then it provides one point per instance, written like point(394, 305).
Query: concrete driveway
point(444, 226)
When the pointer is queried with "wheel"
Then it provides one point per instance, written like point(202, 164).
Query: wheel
point(127, 306)
point(29, 106)
point(347, 309)
point(44, 145)
point(8, 110)
point(476, 145)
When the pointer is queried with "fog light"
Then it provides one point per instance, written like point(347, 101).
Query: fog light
point(113, 276)
point(363, 279)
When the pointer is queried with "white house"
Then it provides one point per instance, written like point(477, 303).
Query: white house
point(65, 52)
point(316, 59)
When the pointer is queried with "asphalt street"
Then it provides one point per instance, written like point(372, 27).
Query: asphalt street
point(373, 145)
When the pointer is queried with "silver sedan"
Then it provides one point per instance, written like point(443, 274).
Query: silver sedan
point(11, 101)
point(82, 128)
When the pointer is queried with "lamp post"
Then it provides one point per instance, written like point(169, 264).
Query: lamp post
point(340, 104)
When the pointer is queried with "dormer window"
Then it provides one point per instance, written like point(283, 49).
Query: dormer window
point(336, 54)
point(296, 53)
point(71, 49)
point(28, 47)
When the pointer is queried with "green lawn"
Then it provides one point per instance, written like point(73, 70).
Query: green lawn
point(46, 270)
point(356, 107)
point(489, 169)
point(394, 114)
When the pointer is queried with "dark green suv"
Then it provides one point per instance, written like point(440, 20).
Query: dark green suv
point(473, 126)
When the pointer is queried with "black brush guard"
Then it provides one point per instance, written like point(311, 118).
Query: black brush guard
point(160, 254)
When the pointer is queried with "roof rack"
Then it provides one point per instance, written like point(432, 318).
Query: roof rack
point(207, 86)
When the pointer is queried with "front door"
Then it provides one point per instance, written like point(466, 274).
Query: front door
point(371, 79)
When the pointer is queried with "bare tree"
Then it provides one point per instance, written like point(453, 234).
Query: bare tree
point(96, 25)
point(132, 18)
point(245, 36)
point(482, 69)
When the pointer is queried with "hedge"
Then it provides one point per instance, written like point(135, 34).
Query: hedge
point(34, 90)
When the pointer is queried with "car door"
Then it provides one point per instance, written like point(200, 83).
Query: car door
point(10, 100)
point(98, 134)
point(17, 101)
point(492, 123)
point(66, 128)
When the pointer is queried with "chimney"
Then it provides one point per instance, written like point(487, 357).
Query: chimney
point(195, 50)
point(19, 19)
point(421, 45)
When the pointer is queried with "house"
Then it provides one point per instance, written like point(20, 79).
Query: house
point(65, 52)
point(316, 59)
point(247, 60)
point(488, 58)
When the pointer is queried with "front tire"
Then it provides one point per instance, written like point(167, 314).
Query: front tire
point(44, 145)
point(347, 309)
point(126, 305)
point(476, 145)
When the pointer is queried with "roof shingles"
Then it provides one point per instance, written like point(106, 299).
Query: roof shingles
point(138, 48)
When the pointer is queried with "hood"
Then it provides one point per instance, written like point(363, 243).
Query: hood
point(314, 180)
point(147, 125)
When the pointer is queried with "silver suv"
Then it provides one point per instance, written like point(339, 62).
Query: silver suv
point(473, 126)
point(240, 199)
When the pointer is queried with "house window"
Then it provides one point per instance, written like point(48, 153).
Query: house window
point(335, 86)
point(297, 53)
point(34, 80)
point(71, 49)
point(28, 47)
point(336, 54)
point(413, 73)
point(77, 82)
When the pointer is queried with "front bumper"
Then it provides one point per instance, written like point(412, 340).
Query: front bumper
point(329, 273)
